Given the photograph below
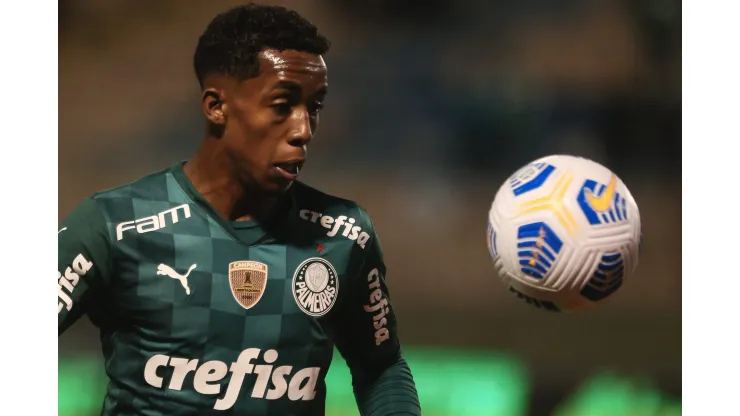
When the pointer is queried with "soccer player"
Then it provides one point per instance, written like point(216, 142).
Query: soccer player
point(221, 285)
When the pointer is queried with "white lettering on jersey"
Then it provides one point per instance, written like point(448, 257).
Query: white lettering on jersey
point(379, 304)
point(68, 281)
point(153, 223)
point(351, 231)
point(271, 384)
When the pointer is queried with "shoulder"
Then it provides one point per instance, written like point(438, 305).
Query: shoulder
point(152, 186)
point(143, 197)
point(339, 216)
point(312, 201)
point(117, 203)
point(145, 203)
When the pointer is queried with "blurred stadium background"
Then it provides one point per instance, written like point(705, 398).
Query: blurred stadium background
point(433, 103)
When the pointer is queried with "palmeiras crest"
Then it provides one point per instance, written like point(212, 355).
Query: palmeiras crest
point(315, 286)
point(248, 280)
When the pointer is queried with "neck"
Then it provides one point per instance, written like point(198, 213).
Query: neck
point(213, 174)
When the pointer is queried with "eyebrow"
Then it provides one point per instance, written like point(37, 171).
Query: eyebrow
point(288, 85)
point(296, 87)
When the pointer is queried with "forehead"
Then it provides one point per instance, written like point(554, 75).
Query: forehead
point(302, 67)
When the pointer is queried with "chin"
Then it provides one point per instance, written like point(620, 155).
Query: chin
point(276, 188)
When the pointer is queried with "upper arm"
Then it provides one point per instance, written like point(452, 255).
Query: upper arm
point(83, 258)
point(367, 334)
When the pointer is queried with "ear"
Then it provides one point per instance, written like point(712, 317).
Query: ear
point(213, 106)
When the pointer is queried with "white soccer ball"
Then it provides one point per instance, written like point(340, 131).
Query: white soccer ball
point(564, 233)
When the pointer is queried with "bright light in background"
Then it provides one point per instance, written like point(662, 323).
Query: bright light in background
point(607, 394)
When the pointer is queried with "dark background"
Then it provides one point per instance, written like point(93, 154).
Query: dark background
point(432, 105)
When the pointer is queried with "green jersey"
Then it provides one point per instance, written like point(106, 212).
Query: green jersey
point(199, 315)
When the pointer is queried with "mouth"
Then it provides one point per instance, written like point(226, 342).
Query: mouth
point(289, 169)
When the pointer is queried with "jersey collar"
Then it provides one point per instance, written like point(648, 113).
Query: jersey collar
point(249, 232)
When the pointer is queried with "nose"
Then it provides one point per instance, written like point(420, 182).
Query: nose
point(301, 128)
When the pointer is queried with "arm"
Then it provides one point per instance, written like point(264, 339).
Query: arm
point(367, 338)
point(83, 260)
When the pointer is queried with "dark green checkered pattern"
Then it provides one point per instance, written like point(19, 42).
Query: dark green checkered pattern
point(143, 314)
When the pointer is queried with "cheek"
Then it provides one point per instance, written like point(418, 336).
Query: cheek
point(261, 126)
point(247, 131)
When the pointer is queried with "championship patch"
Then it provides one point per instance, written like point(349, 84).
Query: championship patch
point(248, 280)
point(315, 286)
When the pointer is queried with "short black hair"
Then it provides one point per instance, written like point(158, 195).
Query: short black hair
point(232, 41)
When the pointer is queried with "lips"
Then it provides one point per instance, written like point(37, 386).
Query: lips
point(289, 169)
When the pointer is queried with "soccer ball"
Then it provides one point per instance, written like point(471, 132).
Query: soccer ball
point(564, 233)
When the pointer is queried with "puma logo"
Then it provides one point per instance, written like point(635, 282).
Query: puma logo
point(602, 203)
point(165, 270)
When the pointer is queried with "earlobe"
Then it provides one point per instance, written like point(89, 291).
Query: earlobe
point(213, 106)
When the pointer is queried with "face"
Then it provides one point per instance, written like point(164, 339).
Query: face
point(268, 121)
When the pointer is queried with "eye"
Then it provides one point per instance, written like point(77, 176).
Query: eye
point(315, 107)
point(281, 108)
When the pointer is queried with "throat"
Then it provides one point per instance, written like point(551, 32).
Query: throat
point(255, 208)
point(227, 195)
point(241, 204)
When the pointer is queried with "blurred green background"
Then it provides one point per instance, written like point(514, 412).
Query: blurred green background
point(450, 382)
point(433, 104)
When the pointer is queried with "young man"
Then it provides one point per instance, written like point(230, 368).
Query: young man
point(221, 285)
